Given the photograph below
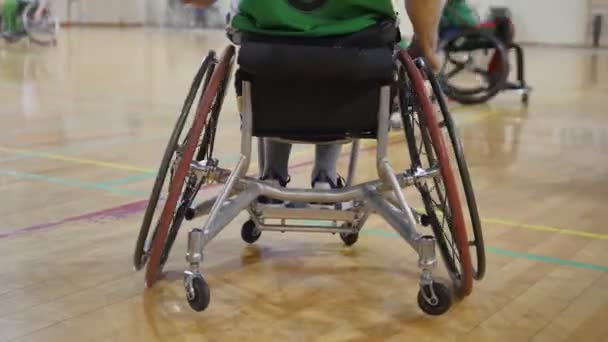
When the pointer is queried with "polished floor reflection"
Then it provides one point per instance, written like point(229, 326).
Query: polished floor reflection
point(83, 126)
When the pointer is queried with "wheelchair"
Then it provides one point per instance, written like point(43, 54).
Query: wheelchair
point(43, 32)
point(338, 89)
point(476, 64)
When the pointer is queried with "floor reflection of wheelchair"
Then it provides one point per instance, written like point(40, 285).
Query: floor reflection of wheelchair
point(341, 95)
point(476, 64)
point(43, 32)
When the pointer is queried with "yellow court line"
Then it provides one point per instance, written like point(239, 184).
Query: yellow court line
point(75, 160)
point(543, 228)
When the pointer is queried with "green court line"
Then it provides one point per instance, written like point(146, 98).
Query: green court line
point(514, 254)
point(129, 179)
point(72, 182)
point(547, 259)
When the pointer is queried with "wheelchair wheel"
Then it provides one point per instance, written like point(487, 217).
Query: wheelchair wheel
point(457, 149)
point(475, 66)
point(43, 32)
point(440, 195)
point(181, 184)
point(143, 242)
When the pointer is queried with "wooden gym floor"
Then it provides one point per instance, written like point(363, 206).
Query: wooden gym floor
point(83, 128)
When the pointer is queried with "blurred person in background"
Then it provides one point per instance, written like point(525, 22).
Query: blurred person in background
point(12, 23)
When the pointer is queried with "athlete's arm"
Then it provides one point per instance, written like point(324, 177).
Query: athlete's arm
point(425, 15)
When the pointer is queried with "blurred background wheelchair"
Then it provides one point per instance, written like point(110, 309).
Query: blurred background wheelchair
point(476, 54)
point(42, 32)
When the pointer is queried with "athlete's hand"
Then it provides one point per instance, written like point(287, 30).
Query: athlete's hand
point(419, 49)
point(199, 3)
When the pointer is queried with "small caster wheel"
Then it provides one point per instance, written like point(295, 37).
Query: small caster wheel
point(198, 294)
point(349, 239)
point(525, 99)
point(249, 232)
point(425, 220)
point(434, 299)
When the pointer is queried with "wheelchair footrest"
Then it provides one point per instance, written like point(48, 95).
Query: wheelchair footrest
point(307, 229)
point(307, 214)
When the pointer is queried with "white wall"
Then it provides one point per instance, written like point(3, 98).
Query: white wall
point(100, 11)
point(545, 21)
point(536, 21)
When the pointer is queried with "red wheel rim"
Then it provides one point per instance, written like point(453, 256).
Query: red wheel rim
point(460, 232)
point(179, 177)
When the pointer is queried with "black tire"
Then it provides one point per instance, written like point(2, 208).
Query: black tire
point(250, 232)
point(141, 250)
point(470, 41)
point(202, 295)
point(349, 239)
point(465, 177)
point(444, 299)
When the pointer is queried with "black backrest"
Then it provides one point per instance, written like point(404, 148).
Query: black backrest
point(317, 89)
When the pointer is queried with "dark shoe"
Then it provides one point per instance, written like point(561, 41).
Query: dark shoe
point(323, 182)
point(273, 180)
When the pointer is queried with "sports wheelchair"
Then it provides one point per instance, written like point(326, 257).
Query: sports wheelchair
point(337, 89)
point(476, 64)
point(43, 32)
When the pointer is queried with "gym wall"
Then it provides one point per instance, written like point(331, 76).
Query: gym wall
point(561, 22)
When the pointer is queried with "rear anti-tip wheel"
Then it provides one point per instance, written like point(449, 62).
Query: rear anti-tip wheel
point(250, 232)
point(434, 299)
point(349, 239)
point(198, 293)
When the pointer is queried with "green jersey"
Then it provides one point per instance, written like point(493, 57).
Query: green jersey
point(308, 18)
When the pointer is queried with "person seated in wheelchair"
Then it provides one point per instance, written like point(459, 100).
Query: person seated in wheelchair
point(11, 14)
point(457, 16)
point(318, 19)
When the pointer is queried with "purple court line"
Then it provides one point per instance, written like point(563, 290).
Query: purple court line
point(115, 212)
point(128, 209)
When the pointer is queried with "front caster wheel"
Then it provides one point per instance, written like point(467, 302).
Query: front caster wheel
point(349, 239)
point(198, 294)
point(434, 299)
point(249, 232)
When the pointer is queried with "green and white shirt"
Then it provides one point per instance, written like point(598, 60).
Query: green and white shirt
point(308, 18)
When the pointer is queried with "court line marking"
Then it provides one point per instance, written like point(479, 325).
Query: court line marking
point(76, 160)
point(507, 252)
point(71, 182)
point(543, 228)
point(83, 146)
point(467, 119)
point(366, 146)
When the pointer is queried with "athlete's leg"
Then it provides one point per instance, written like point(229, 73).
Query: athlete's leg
point(276, 163)
point(326, 162)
